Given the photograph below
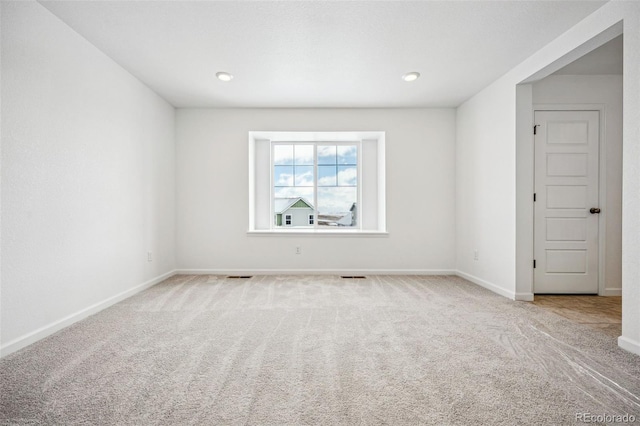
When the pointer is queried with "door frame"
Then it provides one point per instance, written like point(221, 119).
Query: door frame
point(602, 183)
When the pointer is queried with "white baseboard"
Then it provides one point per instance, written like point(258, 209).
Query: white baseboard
point(524, 297)
point(41, 333)
point(611, 292)
point(629, 345)
point(315, 272)
point(489, 286)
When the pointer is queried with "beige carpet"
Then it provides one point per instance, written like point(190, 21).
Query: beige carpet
point(294, 350)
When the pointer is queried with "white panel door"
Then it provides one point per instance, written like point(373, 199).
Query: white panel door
point(566, 201)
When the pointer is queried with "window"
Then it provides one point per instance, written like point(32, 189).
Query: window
point(315, 180)
point(317, 183)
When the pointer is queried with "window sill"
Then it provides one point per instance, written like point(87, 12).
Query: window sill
point(315, 233)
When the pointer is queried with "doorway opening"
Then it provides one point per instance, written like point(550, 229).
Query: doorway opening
point(573, 164)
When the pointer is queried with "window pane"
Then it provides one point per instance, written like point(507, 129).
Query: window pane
point(283, 175)
point(304, 155)
point(327, 154)
point(337, 206)
point(347, 175)
point(282, 154)
point(347, 154)
point(304, 175)
point(327, 176)
point(330, 172)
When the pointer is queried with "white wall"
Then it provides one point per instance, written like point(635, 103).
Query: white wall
point(212, 187)
point(1, 14)
point(486, 164)
point(485, 191)
point(87, 178)
point(605, 90)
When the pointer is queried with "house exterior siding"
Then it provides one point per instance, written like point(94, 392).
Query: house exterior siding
point(299, 216)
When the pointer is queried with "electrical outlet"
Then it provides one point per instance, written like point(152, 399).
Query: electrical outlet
point(149, 256)
point(475, 255)
point(298, 250)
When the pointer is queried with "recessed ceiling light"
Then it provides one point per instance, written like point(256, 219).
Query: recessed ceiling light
point(411, 76)
point(224, 76)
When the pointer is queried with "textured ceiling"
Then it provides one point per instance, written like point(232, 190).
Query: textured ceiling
point(319, 53)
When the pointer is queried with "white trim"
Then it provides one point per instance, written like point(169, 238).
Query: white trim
point(524, 297)
point(252, 189)
point(360, 183)
point(602, 182)
point(315, 272)
point(308, 232)
point(629, 345)
point(47, 330)
point(486, 284)
point(525, 187)
point(611, 292)
point(577, 52)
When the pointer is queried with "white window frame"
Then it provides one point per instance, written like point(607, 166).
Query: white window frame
point(312, 219)
point(315, 224)
point(288, 217)
point(371, 215)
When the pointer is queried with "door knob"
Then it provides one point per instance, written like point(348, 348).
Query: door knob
point(594, 210)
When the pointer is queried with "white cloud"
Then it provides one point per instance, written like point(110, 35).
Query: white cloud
point(327, 181)
point(304, 179)
point(284, 179)
point(348, 176)
point(337, 199)
point(347, 154)
point(294, 191)
point(303, 154)
point(326, 151)
point(283, 154)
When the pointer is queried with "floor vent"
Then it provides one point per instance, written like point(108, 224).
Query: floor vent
point(353, 277)
point(240, 277)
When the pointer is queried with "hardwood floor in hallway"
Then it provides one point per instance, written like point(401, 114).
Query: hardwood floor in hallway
point(603, 313)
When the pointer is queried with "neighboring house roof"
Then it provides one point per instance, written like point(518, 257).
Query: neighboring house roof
point(281, 205)
point(346, 220)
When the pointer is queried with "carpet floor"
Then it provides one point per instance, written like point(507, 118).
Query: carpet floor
point(298, 350)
